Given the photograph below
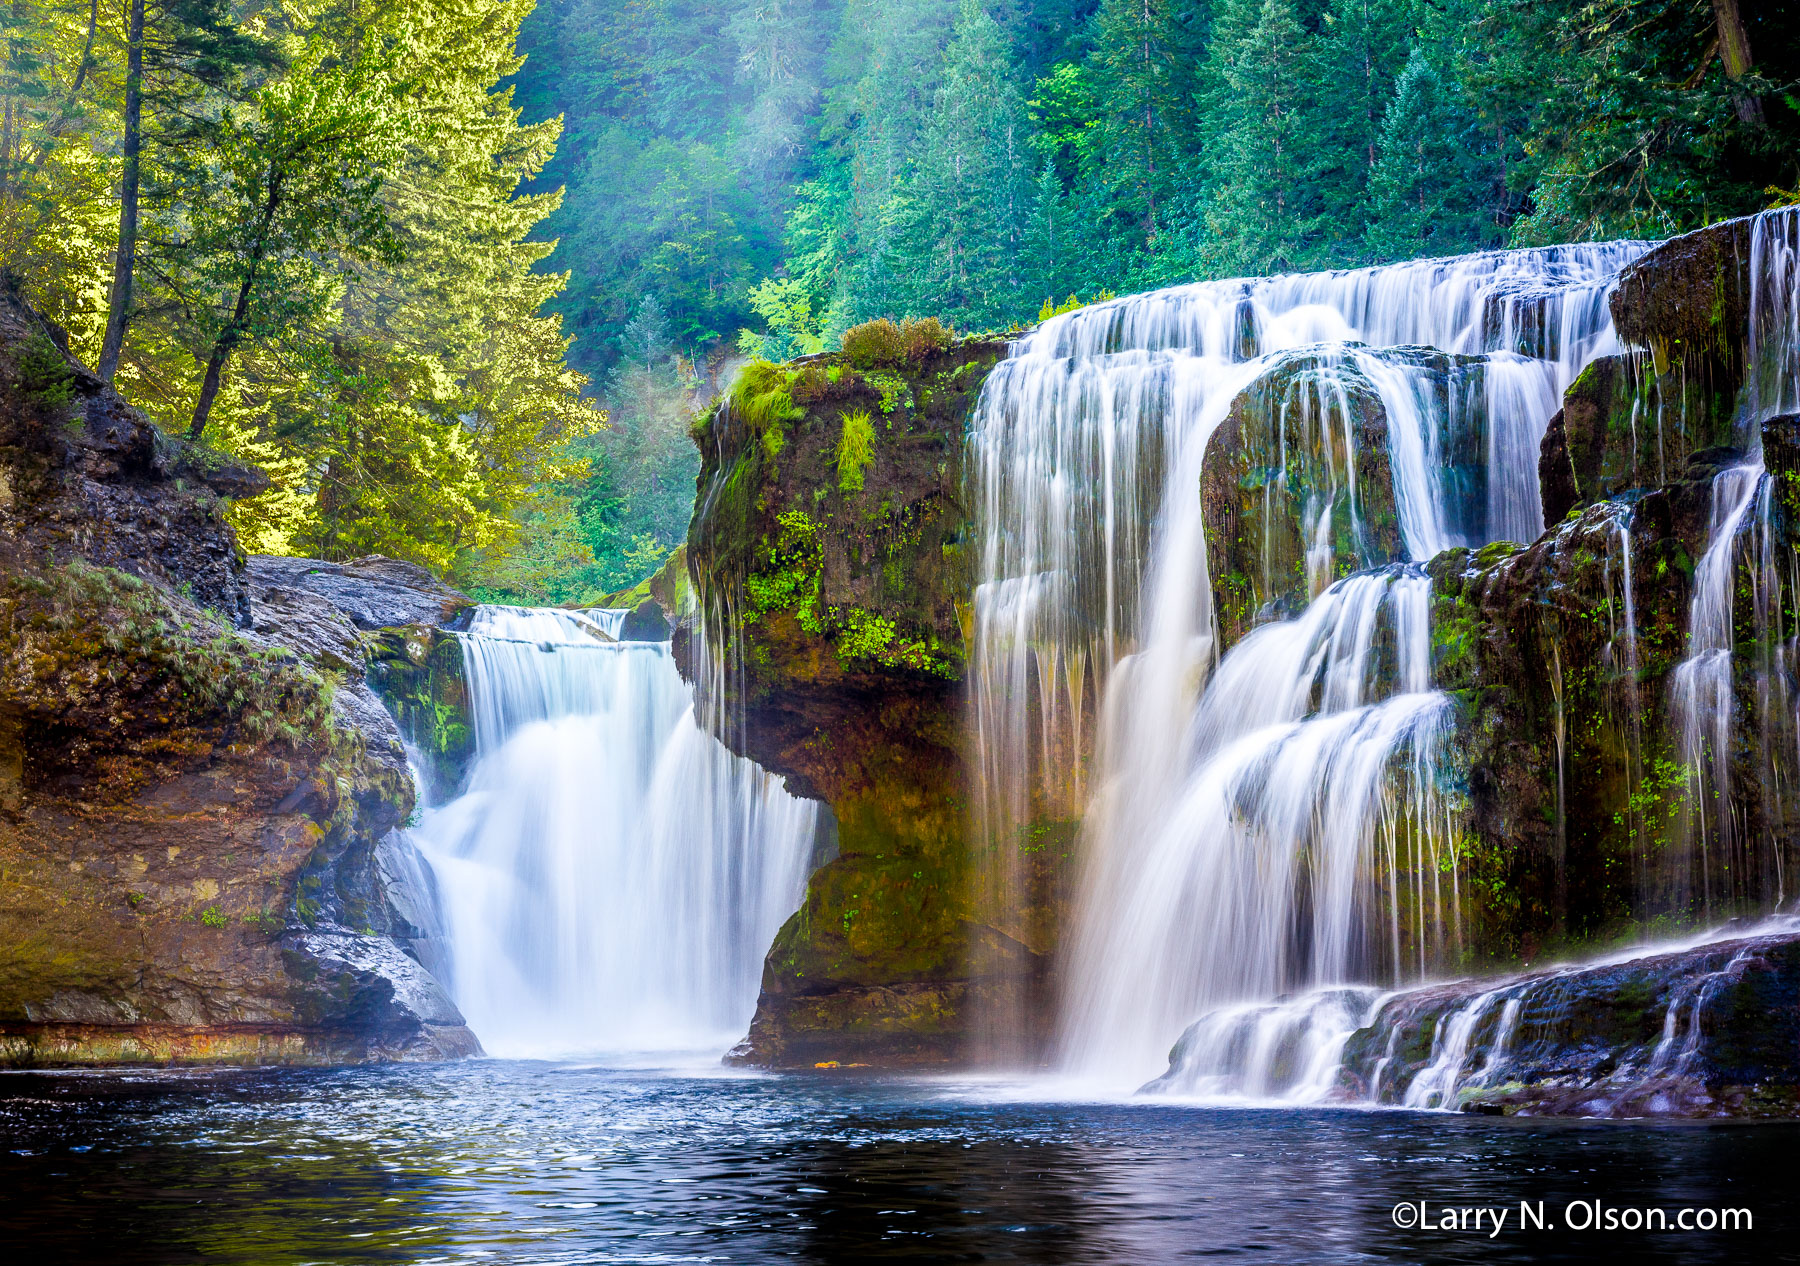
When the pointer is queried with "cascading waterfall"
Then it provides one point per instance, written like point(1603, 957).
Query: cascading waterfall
point(611, 876)
point(1351, 1043)
point(1726, 866)
point(1247, 836)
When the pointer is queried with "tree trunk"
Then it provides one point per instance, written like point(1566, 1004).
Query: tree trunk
point(1734, 51)
point(125, 258)
point(221, 352)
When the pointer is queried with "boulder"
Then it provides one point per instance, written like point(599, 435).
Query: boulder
point(373, 592)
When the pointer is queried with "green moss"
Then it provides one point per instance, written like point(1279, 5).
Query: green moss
point(208, 674)
point(874, 343)
point(856, 448)
point(760, 398)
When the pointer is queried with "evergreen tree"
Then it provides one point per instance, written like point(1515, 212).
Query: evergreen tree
point(1427, 195)
point(1143, 60)
point(967, 202)
point(1360, 53)
point(1263, 211)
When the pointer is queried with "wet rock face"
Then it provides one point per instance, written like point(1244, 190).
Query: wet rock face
point(1297, 490)
point(1563, 748)
point(194, 778)
point(187, 810)
point(1689, 300)
point(1633, 421)
point(830, 556)
point(1713, 1031)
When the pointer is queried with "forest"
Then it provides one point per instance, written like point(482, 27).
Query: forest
point(457, 273)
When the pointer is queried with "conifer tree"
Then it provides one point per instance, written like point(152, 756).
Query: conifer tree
point(1144, 59)
point(1360, 52)
point(1263, 212)
point(1427, 192)
point(967, 202)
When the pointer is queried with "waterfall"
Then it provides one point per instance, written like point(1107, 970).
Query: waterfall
point(611, 876)
point(1732, 721)
point(1726, 865)
point(1280, 825)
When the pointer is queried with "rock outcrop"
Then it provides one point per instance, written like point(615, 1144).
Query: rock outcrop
point(1298, 489)
point(1709, 1029)
point(195, 782)
point(1704, 1032)
point(1633, 420)
point(830, 555)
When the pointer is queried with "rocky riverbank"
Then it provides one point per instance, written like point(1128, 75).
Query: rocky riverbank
point(195, 780)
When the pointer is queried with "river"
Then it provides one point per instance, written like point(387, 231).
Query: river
point(530, 1162)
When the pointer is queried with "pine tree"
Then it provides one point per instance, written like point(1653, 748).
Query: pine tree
point(966, 205)
point(1263, 210)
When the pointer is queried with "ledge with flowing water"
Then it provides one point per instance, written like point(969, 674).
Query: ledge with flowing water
point(1702, 1029)
point(1180, 498)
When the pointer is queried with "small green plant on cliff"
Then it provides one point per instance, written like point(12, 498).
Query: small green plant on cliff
point(44, 376)
point(865, 635)
point(761, 399)
point(881, 342)
point(856, 448)
point(265, 921)
point(791, 582)
point(874, 343)
point(895, 391)
point(759, 396)
point(924, 337)
point(213, 917)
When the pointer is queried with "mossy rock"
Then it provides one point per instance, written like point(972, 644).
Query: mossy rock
point(834, 572)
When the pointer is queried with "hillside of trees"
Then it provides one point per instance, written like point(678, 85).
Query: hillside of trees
point(772, 172)
point(457, 272)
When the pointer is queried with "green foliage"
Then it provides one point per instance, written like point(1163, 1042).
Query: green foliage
point(923, 337)
point(873, 343)
point(43, 374)
point(791, 580)
point(265, 921)
point(760, 398)
point(786, 306)
point(335, 273)
point(856, 448)
point(213, 917)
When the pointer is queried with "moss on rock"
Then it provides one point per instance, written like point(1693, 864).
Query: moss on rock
point(834, 576)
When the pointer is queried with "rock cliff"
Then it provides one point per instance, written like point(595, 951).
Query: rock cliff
point(830, 555)
point(195, 781)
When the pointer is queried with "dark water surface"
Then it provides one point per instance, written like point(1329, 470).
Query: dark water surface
point(524, 1162)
